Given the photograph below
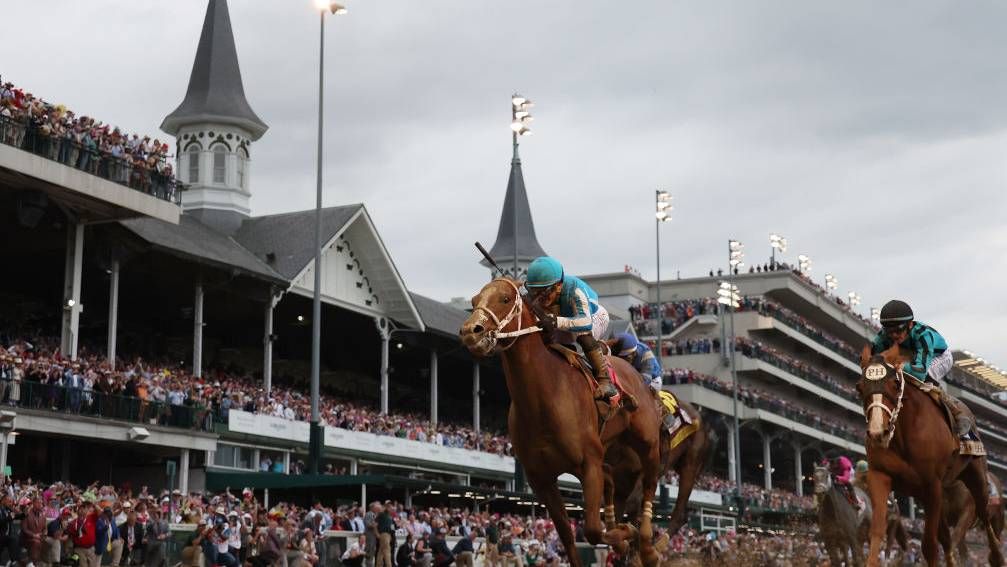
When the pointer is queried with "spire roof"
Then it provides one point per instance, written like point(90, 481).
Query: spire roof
point(215, 91)
point(528, 247)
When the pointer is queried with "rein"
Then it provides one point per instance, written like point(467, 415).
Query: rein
point(515, 311)
point(893, 415)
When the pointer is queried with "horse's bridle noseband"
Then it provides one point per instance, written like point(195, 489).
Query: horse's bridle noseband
point(893, 415)
point(516, 310)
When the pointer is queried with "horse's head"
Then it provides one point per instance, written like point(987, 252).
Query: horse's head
point(823, 479)
point(497, 308)
point(881, 388)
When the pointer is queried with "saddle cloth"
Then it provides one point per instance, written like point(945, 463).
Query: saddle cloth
point(684, 426)
point(972, 447)
point(578, 361)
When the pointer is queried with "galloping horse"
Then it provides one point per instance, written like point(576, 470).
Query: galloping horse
point(839, 524)
point(554, 422)
point(911, 448)
point(960, 514)
point(623, 482)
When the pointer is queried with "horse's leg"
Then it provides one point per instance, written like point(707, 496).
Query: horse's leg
point(945, 534)
point(879, 485)
point(974, 477)
point(650, 458)
point(609, 497)
point(688, 467)
point(548, 492)
point(931, 523)
point(592, 482)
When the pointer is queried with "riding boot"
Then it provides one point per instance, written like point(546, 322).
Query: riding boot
point(964, 420)
point(599, 363)
point(671, 422)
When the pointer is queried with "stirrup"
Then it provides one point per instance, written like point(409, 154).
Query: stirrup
point(603, 394)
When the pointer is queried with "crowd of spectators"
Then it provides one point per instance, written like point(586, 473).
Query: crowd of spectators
point(762, 399)
point(695, 345)
point(34, 375)
point(755, 349)
point(775, 500)
point(57, 133)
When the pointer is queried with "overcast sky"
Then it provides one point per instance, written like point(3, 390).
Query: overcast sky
point(872, 135)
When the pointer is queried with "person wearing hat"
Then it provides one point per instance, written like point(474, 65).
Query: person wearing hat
point(157, 533)
point(860, 475)
point(108, 541)
point(571, 306)
point(83, 531)
point(931, 357)
point(628, 348)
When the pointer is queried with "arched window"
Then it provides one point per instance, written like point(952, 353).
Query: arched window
point(193, 152)
point(219, 164)
point(242, 161)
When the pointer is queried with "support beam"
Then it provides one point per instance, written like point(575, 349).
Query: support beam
point(433, 386)
point(267, 347)
point(798, 469)
point(183, 472)
point(767, 461)
point(912, 508)
point(197, 331)
point(71, 289)
point(386, 334)
point(286, 462)
point(113, 312)
point(476, 399)
point(732, 455)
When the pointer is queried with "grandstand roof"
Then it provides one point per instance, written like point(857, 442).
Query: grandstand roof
point(289, 236)
point(215, 92)
point(439, 317)
point(193, 239)
point(528, 247)
point(980, 368)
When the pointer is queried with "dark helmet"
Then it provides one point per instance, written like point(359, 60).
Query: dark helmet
point(896, 313)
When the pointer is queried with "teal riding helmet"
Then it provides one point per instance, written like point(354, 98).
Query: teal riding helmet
point(544, 272)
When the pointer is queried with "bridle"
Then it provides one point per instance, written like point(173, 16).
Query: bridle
point(893, 415)
point(494, 335)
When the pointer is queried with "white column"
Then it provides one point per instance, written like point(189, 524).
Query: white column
point(267, 348)
point(912, 508)
point(385, 332)
point(798, 469)
point(71, 289)
point(113, 312)
point(475, 397)
point(286, 462)
point(197, 331)
point(767, 461)
point(363, 495)
point(433, 386)
point(732, 453)
point(183, 472)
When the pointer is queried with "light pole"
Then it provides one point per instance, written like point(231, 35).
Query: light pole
point(662, 213)
point(854, 300)
point(729, 297)
point(803, 263)
point(831, 283)
point(315, 436)
point(520, 125)
point(778, 243)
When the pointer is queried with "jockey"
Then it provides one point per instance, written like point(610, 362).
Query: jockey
point(860, 475)
point(842, 471)
point(931, 361)
point(640, 356)
point(572, 306)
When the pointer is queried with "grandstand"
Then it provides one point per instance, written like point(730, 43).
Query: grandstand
point(797, 365)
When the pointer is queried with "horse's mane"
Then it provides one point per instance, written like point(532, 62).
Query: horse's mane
point(895, 356)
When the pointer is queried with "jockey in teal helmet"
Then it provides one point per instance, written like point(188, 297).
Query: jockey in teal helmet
point(932, 359)
point(572, 307)
point(640, 356)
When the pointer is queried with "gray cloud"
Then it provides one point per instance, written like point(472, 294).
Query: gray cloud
point(872, 135)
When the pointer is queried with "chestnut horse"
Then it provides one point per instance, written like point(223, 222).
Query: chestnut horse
point(688, 459)
point(554, 422)
point(912, 449)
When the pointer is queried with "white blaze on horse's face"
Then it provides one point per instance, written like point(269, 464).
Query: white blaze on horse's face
point(876, 421)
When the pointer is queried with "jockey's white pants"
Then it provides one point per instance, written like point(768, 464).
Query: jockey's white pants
point(940, 366)
point(599, 326)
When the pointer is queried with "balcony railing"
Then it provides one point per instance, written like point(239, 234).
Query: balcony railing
point(77, 401)
point(90, 159)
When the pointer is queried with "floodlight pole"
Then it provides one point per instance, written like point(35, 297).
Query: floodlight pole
point(734, 374)
point(315, 434)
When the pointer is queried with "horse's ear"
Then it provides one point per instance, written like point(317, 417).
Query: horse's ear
point(865, 356)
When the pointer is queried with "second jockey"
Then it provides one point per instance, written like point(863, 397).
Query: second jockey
point(931, 360)
point(572, 307)
point(641, 357)
point(842, 472)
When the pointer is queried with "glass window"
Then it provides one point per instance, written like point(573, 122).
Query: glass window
point(194, 164)
point(224, 455)
point(219, 169)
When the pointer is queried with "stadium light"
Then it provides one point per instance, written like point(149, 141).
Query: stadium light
point(831, 283)
point(876, 315)
point(854, 299)
point(736, 254)
point(335, 7)
point(804, 263)
point(778, 243)
point(662, 208)
point(727, 294)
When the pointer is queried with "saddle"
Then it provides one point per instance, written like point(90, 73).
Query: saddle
point(683, 427)
point(973, 447)
point(578, 361)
